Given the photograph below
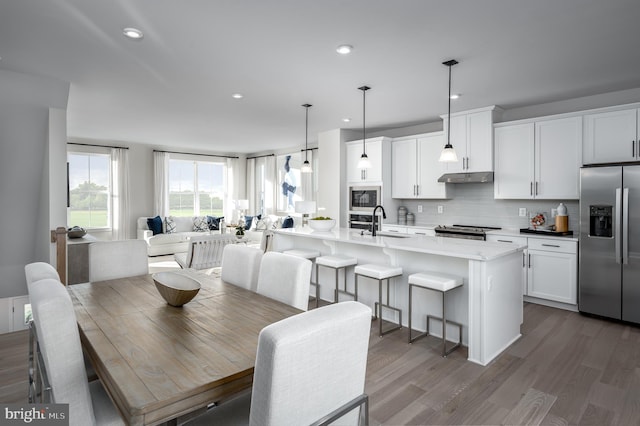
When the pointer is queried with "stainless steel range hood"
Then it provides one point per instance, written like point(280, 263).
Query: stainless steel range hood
point(475, 177)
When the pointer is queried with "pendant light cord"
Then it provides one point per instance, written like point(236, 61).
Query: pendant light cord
point(449, 113)
point(306, 131)
point(364, 116)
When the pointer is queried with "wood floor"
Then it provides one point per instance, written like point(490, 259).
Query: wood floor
point(567, 369)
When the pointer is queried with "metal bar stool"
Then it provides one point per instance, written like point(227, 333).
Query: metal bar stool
point(311, 255)
point(380, 273)
point(441, 283)
point(337, 262)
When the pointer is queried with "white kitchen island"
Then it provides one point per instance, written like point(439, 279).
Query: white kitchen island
point(489, 304)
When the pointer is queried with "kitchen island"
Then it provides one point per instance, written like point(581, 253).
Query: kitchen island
point(489, 304)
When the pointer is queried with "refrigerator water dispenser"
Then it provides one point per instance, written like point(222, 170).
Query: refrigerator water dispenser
point(601, 221)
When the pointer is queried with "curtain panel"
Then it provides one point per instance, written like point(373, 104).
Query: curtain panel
point(161, 183)
point(120, 193)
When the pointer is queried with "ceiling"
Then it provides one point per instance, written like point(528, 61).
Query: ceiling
point(173, 88)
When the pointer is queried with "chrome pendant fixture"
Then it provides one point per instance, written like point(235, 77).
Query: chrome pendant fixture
point(364, 162)
point(306, 167)
point(448, 154)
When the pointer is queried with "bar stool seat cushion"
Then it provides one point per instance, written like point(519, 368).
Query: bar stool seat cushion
point(436, 281)
point(336, 261)
point(379, 272)
point(303, 253)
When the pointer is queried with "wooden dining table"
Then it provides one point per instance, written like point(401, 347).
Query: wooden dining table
point(160, 362)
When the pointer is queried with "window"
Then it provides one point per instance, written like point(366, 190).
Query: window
point(196, 188)
point(89, 190)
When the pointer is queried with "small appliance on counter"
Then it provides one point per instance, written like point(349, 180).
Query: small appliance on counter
point(562, 220)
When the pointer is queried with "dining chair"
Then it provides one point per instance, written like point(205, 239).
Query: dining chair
point(310, 370)
point(205, 251)
point(56, 328)
point(37, 271)
point(285, 278)
point(241, 265)
point(109, 260)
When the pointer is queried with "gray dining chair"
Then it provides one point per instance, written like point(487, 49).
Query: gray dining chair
point(205, 251)
point(241, 265)
point(37, 271)
point(58, 340)
point(310, 370)
point(285, 278)
point(109, 260)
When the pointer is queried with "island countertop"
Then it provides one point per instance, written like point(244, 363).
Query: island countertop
point(443, 246)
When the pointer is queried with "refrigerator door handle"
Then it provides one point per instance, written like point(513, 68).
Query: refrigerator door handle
point(625, 226)
point(617, 230)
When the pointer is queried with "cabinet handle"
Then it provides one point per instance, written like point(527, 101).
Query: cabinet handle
point(529, 260)
point(633, 149)
point(467, 162)
point(523, 263)
point(417, 190)
point(531, 188)
point(536, 188)
point(420, 233)
point(551, 245)
point(505, 241)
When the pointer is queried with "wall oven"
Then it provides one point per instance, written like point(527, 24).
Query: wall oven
point(364, 197)
point(363, 221)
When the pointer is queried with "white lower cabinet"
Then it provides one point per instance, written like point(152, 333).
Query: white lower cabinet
point(416, 230)
point(394, 228)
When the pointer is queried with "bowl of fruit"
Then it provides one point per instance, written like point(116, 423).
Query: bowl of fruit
point(322, 224)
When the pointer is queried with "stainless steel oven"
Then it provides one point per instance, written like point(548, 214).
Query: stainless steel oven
point(364, 197)
point(362, 221)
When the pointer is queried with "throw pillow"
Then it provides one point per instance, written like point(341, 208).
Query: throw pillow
point(200, 224)
point(277, 224)
point(247, 222)
point(287, 222)
point(214, 222)
point(155, 224)
point(171, 225)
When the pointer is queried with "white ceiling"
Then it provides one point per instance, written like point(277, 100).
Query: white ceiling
point(174, 87)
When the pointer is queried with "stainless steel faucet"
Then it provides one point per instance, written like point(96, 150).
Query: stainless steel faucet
point(373, 225)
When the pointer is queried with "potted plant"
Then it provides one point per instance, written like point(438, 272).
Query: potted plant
point(239, 231)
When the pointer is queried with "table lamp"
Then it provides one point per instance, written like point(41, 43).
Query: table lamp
point(306, 208)
point(241, 206)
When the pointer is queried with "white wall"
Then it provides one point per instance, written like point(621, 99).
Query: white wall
point(25, 118)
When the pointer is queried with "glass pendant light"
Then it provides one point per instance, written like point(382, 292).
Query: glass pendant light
point(306, 167)
point(448, 154)
point(364, 162)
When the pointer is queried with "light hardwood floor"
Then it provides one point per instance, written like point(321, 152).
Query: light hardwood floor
point(566, 369)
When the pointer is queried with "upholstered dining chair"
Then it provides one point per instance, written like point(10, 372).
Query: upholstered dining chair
point(285, 278)
point(241, 265)
point(205, 251)
point(37, 271)
point(310, 369)
point(109, 260)
point(61, 352)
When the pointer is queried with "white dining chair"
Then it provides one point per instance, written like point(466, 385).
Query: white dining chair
point(310, 369)
point(109, 260)
point(37, 271)
point(285, 278)
point(241, 265)
point(205, 251)
point(61, 352)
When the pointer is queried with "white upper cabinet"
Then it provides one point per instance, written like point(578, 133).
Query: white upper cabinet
point(611, 137)
point(415, 167)
point(472, 138)
point(374, 152)
point(538, 160)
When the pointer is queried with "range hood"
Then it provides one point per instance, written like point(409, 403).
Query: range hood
point(475, 177)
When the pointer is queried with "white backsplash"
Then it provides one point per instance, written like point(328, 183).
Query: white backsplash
point(473, 204)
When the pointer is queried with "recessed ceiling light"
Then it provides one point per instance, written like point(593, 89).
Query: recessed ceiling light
point(346, 120)
point(237, 95)
point(132, 33)
point(455, 95)
point(344, 49)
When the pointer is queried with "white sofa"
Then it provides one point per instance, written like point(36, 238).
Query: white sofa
point(163, 244)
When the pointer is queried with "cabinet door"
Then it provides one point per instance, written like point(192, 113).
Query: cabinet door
point(552, 276)
point(514, 161)
point(374, 152)
point(610, 137)
point(354, 151)
point(430, 169)
point(429, 232)
point(459, 142)
point(404, 169)
point(557, 159)
point(514, 240)
point(479, 142)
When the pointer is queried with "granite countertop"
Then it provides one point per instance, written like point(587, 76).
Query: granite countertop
point(453, 247)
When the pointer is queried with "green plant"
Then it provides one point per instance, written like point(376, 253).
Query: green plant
point(321, 218)
point(239, 230)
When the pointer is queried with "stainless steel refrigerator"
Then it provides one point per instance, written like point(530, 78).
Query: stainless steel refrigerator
point(609, 279)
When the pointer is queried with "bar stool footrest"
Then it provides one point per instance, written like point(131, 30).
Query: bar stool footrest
point(394, 328)
point(337, 293)
point(446, 351)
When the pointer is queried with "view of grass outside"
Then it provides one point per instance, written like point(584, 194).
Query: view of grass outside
point(196, 188)
point(88, 218)
point(89, 192)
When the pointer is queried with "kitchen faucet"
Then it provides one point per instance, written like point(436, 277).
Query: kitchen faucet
point(373, 225)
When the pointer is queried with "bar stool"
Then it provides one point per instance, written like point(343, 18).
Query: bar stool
point(337, 262)
point(380, 273)
point(442, 283)
point(311, 255)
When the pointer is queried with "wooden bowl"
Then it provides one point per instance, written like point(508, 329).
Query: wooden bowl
point(176, 289)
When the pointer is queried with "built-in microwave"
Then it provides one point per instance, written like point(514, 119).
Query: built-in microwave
point(364, 197)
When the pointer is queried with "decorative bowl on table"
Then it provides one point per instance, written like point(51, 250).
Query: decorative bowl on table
point(76, 232)
point(177, 289)
point(322, 224)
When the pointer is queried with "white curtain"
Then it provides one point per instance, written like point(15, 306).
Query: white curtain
point(161, 182)
point(270, 184)
point(233, 190)
point(253, 193)
point(120, 193)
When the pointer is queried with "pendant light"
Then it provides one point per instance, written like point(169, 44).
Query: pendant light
point(306, 167)
point(364, 162)
point(448, 154)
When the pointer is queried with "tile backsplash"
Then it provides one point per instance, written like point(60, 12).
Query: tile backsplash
point(473, 204)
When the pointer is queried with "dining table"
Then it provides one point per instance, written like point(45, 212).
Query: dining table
point(159, 363)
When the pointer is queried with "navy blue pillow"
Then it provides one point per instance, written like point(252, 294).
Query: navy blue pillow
point(287, 222)
point(214, 222)
point(155, 224)
point(247, 222)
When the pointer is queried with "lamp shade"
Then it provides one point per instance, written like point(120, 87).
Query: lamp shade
point(305, 207)
point(448, 154)
point(242, 204)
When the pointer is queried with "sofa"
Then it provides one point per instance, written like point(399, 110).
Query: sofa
point(169, 243)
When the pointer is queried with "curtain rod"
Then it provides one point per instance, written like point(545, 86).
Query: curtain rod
point(260, 156)
point(99, 146)
point(308, 149)
point(192, 153)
